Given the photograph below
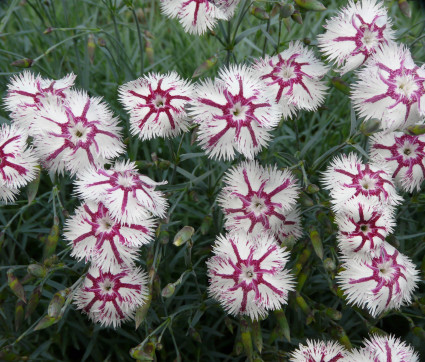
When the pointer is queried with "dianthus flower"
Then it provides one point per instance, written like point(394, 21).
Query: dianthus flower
point(291, 225)
point(198, 16)
point(385, 282)
point(319, 351)
point(236, 111)
point(294, 76)
point(95, 236)
point(129, 196)
point(356, 33)
point(17, 162)
point(363, 227)
point(26, 91)
point(7, 194)
point(157, 105)
point(111, 298)
point(249, 277)
point(76, 134)
point(391, 88)
point(384, 349)
point(256, 199)
point(348, 177)
point(403, 155)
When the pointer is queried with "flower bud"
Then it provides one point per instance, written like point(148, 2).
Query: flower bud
point(183, 236)
point(286, 10)
point(168, 291)
point(56, 304)
point(22, 63)
point(15, 285)
point(313, 5)
point(37, 270)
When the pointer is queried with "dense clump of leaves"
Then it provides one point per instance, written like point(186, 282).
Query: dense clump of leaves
point(111, 42)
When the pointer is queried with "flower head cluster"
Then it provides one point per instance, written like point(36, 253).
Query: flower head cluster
point(109, 298)
point(391, 88)
point(375, 275)
point(71, 131)
point(403, 155)
point(157, 105)
point(355, 33)
point(295, 78)
point(249, 278)
point(383, 349)
point(17, 161)
point(115, 219)
point(258, 200)
point(376, 349)
point(319, 351)
point(234, 112)
point(196, 16)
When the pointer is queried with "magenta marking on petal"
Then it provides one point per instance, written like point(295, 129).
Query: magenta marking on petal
point(389, 282)
point(166, 105)
point(400, 158)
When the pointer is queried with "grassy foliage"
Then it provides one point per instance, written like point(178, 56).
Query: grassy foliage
point(107, 43)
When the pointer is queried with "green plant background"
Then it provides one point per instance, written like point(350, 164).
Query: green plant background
point(107, 43)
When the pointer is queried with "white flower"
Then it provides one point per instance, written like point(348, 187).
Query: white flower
point(249, 278)
point(257, 199)
point(196, 16)
point(157, 105)
point(347, 177)
point(291, 226)
point(26, 91)
point(384, 349)
point(391, 88)
point(236, 111)
point(403, 155)
point(294, 76)
point(111, 298)
point(76, 134)
point(129, 195)
point(357, 31)
point(319, 351)
point(7, 194)
point(363, 227)
point(17, 162)
point(95, 236)
point(385, 282)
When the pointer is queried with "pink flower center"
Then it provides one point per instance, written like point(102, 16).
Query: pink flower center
point(106, 288)
point(248, 274)
point(159, 101)
point(368, 36)
point(104, 229)
point(286, 73)
point(407, 151)
point(367, 182)
point(386, 272)
point(404, 86)
point(78, 133)
point(257, 206)
point(238, 112)
point(366, 228)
